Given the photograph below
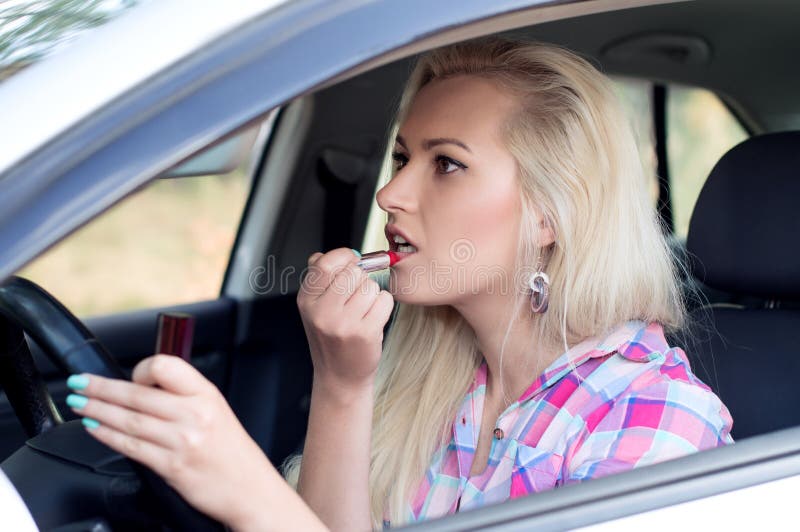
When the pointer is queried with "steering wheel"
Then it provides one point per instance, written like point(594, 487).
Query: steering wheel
point(65, 476)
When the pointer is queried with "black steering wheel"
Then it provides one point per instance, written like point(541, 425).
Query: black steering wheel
point(69, 480)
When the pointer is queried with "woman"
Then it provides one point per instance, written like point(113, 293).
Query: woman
point(527, 351)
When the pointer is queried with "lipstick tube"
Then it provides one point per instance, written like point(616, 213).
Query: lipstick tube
point(377, 260)
point(175, 334)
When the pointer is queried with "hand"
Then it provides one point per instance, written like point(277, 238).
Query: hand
point(185, 431)
point(343, 313)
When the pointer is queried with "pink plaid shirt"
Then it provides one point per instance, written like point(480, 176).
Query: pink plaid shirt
point(607, 405)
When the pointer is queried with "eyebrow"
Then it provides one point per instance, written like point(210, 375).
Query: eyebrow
point(427, 144)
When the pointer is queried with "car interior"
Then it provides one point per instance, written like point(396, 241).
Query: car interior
point(314, 174)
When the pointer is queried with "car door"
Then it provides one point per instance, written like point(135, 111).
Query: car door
point(296, 206)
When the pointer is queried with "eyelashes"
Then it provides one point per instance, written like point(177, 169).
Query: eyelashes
point(399, 159)
point(443, 163)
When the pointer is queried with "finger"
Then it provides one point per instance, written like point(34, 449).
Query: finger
point(381, 310)
point(363, 297)
point(130, 422)
point(172, 373)
point(151, 455)
point(338, 257)
point(305, 282)
point(321, 273)
point(313, 258)
point(344, 284)
point(134, 396)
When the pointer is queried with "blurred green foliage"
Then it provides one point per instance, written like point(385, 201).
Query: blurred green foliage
point(31, 28)
point(166, 244)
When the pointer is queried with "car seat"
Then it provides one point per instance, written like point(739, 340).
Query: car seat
point(743, 239)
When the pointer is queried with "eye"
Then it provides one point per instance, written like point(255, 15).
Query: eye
point(400, 160)
point(446, 165)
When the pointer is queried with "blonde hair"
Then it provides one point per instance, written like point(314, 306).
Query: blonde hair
point(579, 168)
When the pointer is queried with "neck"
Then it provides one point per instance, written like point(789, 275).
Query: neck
point(523, 355)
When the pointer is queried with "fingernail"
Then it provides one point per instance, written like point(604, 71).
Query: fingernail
point(77, 401)
point(78, 382)
point(90, 423)
point(358, 253)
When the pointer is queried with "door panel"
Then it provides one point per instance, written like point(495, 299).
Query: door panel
point(270, 383)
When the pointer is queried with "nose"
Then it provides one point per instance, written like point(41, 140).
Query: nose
point(399, 194)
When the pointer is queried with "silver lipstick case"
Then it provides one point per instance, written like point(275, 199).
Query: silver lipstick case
point(372, 262)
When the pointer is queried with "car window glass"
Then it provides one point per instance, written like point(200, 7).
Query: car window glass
point(32, 29)
point(700, 129)
point(637, 98)
point(166, 244)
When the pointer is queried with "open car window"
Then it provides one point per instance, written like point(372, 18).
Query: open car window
point(167, 244)
point(700, 129)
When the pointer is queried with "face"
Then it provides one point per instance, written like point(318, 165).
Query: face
point(453, 202)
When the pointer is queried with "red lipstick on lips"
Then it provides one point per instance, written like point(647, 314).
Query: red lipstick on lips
point(377, 260)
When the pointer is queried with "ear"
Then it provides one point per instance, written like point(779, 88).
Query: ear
point(546, 234)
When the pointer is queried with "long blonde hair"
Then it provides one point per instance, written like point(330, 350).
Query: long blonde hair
point(579, 167)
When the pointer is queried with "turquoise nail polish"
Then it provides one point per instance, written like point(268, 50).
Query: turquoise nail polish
point(77, 401)
point(357, 252)
point(78, 382)
point(90, 423)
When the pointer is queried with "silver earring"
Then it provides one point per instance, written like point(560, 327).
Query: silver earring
point(539, 284)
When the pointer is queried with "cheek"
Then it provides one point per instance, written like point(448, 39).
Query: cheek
point(495, 229)
point(482, 225)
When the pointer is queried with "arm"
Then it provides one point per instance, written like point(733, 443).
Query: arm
point(343, 312)
point(334, 476)
point(281, 510)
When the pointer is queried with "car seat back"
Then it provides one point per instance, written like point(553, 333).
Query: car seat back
point(743, 239)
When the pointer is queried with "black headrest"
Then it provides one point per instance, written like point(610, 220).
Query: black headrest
point(745, 229)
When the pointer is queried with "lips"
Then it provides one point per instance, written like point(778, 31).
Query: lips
point(399, 242)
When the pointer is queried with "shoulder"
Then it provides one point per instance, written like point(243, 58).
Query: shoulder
point(649, 407)
point(663, 394)
point(650, 383)
point(645, 362)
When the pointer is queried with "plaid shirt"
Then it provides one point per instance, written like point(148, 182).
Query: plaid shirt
point(605, 406)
